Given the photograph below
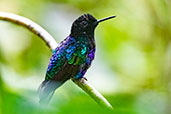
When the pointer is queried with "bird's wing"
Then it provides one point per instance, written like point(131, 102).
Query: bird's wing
point(55, 65)
point(70, 55)
point(59, 61)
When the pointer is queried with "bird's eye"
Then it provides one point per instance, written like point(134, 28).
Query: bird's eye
point(84, 23)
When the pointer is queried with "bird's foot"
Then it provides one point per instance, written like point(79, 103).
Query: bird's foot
point(85, 78)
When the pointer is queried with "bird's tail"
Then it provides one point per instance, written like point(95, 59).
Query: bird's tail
point(47, 89)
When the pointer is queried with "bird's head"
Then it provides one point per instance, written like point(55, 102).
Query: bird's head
point(85, 24)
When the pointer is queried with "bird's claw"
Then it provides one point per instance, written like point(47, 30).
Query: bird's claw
point(85, 78)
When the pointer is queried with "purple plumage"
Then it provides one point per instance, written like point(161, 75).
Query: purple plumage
point(72, 57)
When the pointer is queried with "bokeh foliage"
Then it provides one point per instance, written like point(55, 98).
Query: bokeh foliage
point(135, 47)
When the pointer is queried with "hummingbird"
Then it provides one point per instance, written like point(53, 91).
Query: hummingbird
point(72, 57)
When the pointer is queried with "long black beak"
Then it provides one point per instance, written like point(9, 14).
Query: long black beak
point(105, 19)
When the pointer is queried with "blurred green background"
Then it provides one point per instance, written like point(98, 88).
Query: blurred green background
point(132, 67)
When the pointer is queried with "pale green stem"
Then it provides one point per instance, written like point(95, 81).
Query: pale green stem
point(92, 92)
point(30, 25)
point(51, 43)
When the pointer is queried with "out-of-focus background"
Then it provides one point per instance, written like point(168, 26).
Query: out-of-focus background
point(132, 67)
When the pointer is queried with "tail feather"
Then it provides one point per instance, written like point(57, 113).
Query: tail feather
point(47, 89)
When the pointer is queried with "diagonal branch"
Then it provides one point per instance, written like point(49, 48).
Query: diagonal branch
point(92, 92)
point(30, 25)
point(51, 43)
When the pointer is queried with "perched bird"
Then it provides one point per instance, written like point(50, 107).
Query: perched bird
point(72, 57)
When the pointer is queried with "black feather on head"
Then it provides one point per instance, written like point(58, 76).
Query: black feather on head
point(83, 25)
